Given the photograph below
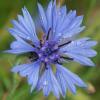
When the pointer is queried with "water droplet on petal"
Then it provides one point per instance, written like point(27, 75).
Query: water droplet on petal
point(54, 31)
point(59, 13)
point(45, 83)
point(28, 38)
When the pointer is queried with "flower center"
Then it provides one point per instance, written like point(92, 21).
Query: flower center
point(48, 52)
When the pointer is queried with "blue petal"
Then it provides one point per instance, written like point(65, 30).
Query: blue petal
point(65, 29)
point(23, 69)
point(62, 16)
point(34, 76)
point(76, 22)
point(70, 16)
point(49, 83)
point(74, 27)
point(69, 82)
point(80, 50)
point(62, 82)
point(69, 78)
point(44, 83)
point(83, 43)
point(18, 27)
point(30, 25)
point(90, 44)
point(20, 46)
point(31, 71)
point(54, 84)
point(81, 59)
point(62, 24)
point(58, 17)
point(72, 32)
point(14, 32)
point(19, 51)
point(49, 14)
point(43, 18)
point(84, 52)
point(70, 25)
point(25, 27)
point(54, 19)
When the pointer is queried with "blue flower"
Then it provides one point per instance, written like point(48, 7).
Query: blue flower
point(57, 45)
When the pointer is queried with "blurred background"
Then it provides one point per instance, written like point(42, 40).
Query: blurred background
point(12, 86)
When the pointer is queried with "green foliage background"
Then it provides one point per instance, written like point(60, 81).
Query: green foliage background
point(13, 87)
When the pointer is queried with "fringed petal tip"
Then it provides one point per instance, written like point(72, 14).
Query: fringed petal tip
point(48, 83)
point(68, 80)
point(8, 52)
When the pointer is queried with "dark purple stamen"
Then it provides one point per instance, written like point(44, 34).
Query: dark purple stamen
point(57, 61)
point(41, 43)
point(29, 42)
point(65, 44)
point(48, 34)
point(45, 65)
point(33, 56)
point(66, 58)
